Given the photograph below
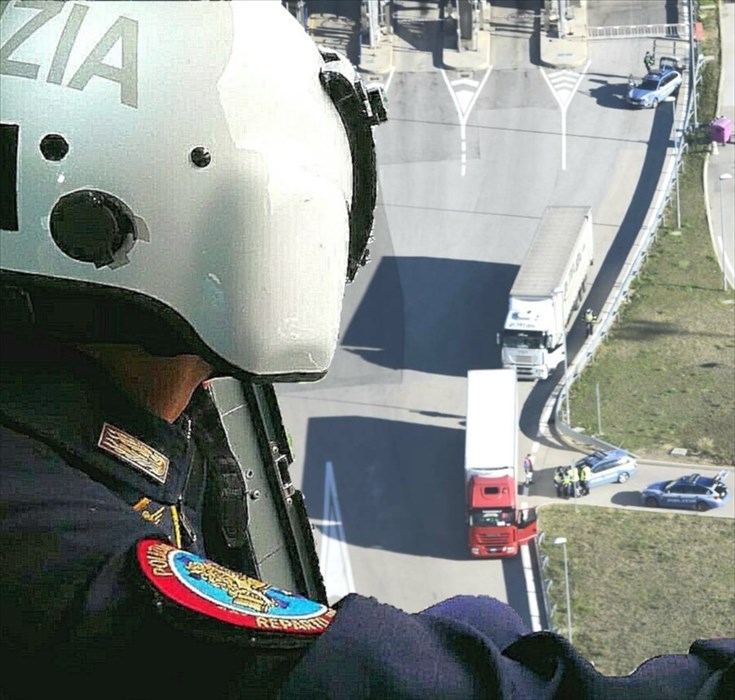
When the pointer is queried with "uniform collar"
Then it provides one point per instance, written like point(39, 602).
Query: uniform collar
point(68, 401)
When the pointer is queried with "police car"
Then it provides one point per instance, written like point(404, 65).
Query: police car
point(691, 491)
point(609, 466)
point(656, 86)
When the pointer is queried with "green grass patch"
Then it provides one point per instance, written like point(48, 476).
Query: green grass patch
point(666, 375)
point(642, 584)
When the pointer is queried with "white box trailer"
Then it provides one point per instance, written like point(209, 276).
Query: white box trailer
point(496, 528)
point(491, 434)
point(550, 285)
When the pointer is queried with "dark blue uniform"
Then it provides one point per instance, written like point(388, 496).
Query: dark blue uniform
point(109, 589)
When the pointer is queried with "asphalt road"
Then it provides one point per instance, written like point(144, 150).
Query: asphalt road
point(466, 170)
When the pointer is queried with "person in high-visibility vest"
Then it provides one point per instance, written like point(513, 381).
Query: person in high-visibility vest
point(559, 481)
point(589, 319)
point(574, 470)
point(584, 480)
point(566, 483)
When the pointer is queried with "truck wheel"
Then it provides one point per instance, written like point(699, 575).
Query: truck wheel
point(701, 506)
point(623, 477)
point(651, 502)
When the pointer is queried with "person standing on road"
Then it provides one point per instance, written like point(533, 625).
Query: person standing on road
point(589, 319)
point(648, 61)
point(566, 483)
point(559, 481)
point(574, 469)
point(585, 479)
point(528, 469)
point(585, 475)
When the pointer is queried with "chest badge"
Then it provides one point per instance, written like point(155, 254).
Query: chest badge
point(135, 452)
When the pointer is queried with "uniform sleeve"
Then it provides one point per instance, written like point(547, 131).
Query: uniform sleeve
point(64, 541)
point(79, 617)
point(477, 647)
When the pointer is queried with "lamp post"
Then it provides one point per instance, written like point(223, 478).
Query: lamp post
point(693, 67)
point(723, 177)
point(563, 542)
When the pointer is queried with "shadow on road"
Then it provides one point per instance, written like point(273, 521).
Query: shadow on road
point(432, 315)
point(626, 498)
point(399, 486)
point(610, 95)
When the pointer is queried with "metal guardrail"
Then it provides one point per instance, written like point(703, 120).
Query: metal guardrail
point(685, 117)
point(538, 563)
point(665, 31)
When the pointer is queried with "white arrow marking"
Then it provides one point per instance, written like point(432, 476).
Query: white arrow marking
point(465, 81)
point(334, 558)
point(563, 85)
point(464, 101)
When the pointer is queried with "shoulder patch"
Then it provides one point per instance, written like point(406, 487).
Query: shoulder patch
point(133, 451)
point(232, 597)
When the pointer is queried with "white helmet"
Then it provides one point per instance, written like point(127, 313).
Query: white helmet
point(189, 176)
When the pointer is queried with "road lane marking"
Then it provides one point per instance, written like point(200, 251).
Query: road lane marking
point(563, 85)
point(464, 100)
point(530, 589)
point(388, 79)
point(334, 559)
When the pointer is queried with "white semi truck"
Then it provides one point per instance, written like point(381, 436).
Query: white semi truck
point(550, 285)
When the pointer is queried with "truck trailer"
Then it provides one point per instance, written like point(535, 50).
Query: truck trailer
point(496, 526)
point(550, 285)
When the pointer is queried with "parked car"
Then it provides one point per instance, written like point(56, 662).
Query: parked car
point(656, 86)
point(609, 466)
point(691, 491)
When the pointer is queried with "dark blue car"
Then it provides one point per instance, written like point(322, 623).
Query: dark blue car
point(691, 491)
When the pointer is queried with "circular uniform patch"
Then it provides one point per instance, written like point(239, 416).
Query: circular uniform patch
point(229, 596)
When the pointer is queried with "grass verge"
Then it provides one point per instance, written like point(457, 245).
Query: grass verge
point(666, 376)
point(642, 584)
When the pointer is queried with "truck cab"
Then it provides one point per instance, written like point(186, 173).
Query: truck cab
point(526, 342)
point(550, 285)
point(496, 527)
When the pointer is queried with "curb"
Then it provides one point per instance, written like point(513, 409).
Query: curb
point(383, 49)
point(576, 47)
point(705, 168)
point(453, 59)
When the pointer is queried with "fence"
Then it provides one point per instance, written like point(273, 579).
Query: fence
point(664, 31)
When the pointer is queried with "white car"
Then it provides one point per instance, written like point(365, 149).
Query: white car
point(656, 86)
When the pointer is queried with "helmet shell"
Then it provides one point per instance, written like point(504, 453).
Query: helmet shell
point(222, 145)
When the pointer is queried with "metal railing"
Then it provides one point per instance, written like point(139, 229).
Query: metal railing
point(665, 31)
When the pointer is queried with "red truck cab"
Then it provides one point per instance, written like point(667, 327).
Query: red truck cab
point(496, 527)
